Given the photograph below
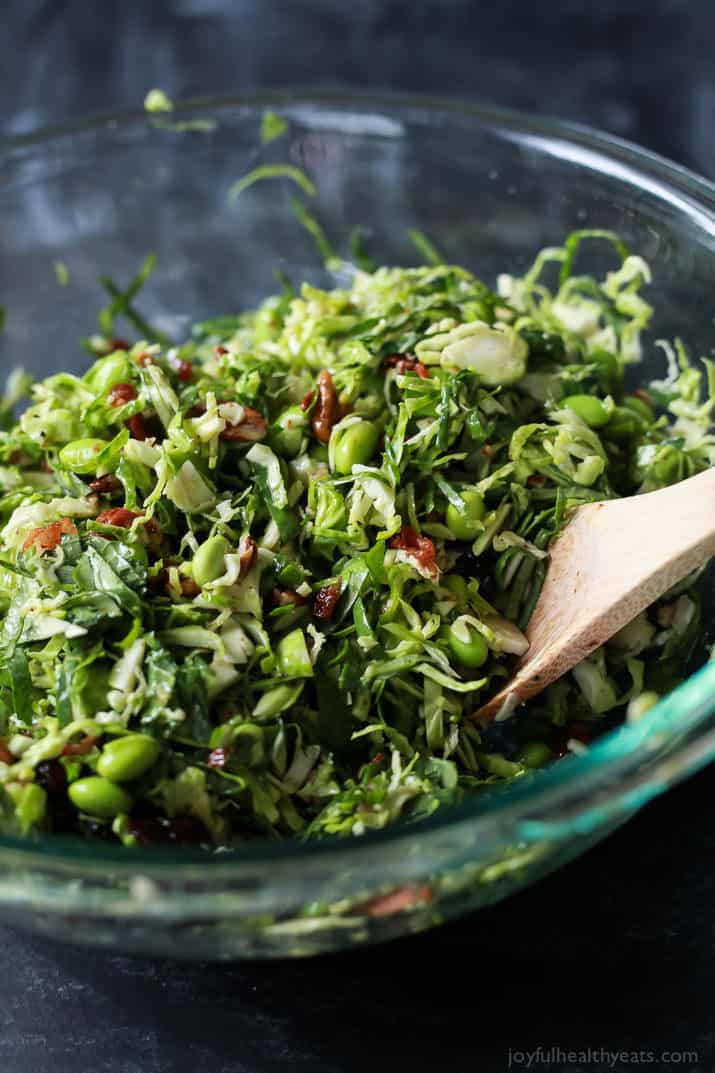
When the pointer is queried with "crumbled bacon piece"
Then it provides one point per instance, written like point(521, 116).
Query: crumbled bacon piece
point(47, 537)
point(407, 363)
point(308, 400)
point(81, 748)
point(325, 601)
point(122, 394)
point(118, 516)
point(218, 757)
point(106, 484)
point(418, 547)
point(252, 427)
point(325, 411)
point(248, 550)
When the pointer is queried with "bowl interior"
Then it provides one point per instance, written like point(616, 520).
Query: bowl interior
point(488, 188)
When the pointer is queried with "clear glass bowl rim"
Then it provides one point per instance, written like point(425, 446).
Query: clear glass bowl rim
point(684, 711)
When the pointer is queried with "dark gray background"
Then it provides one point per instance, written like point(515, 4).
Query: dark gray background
point(616, 950)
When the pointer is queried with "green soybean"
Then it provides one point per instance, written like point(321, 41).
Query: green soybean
point(590, 409)
point(293, 657)
point(639, 407)
point(80, 456)
point(289, 430)
point(535, 754)
point(470, 652)
point(355, 446)
point(99, 797)
point(208, 563)
point(466, 524)
point(127, 758)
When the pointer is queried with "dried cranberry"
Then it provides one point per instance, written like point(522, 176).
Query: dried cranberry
point(185, 370)
point(121, 394)
point(137, 427)
point(418, 547)
point(148, 830)
point(186, 829)
point(325, 601)
point(51, 776)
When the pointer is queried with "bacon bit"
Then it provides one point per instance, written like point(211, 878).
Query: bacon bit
point(325, 413)
point(106, 484)
point(189, 588)
point(325, 601)
point(284, 597)
point(252, 427)
point(536, 480)
point(247, 555)
point(122, 394)
point(81, 748)
point(145, 359)
point(6, 756)
point(47, 537)
point(118, 516)
point(308, 400)
point(407, 363)
point(218, 757)
point(137, 427)
point(418, 547)
point(185, 370)
point(397, 901)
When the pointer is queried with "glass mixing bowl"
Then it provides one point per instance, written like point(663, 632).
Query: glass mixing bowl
point(490, 188)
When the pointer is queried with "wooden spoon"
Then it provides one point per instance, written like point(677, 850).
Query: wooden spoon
point(611, 561)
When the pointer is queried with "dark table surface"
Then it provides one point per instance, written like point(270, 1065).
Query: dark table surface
point(615, 952)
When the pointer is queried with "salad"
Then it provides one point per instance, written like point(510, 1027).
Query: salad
point(257, 584)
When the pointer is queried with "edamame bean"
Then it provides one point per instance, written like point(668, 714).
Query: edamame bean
point(466, 524)
point(288, 431)
point(99, 797)
point(467, 645)
point(293, 657)
point(535, 754)
point(355, 446)
point(127, 758)
point(80, 456)
point(590, 409)
point(639, 407)
point(641, 704)
point(208, 563)
point(457, 585)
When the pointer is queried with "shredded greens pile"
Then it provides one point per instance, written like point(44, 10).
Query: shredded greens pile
point(256, 584)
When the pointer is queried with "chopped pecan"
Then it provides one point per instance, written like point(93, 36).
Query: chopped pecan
point(118, 516)
point(325, 411)
point(308, 400)
point(137, 427)
point(252, 427)
point(189, 588)
point(248, 550)
point(325, 601)
point(47, 537)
